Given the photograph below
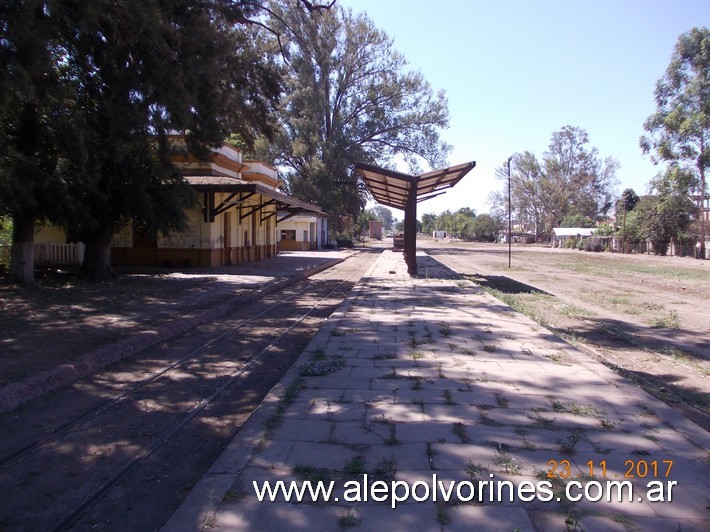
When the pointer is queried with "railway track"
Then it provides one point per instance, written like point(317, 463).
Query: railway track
point(123, 447)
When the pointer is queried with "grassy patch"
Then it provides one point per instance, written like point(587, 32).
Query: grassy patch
point(460, 431)
point(320, 367)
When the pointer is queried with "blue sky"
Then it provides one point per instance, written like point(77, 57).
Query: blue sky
point(516, 71)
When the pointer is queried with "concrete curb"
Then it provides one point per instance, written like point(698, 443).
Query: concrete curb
point(18, 393)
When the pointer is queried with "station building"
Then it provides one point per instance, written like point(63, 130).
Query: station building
point(238, 219)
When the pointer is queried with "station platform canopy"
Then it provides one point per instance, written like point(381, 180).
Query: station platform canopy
point(403, 191)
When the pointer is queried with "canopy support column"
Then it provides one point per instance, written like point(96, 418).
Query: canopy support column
point(410, 230)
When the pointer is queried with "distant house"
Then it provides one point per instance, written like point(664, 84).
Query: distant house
point(302, 232)
point(440, 234)
point(560, 235)
point(375, 230)
point(235, 221)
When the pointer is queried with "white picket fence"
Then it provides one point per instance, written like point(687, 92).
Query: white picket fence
point(59, 253)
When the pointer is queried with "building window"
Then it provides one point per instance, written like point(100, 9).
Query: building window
point(288, 234)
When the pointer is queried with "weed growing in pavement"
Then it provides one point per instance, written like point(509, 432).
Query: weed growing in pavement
point(416, 355)
point(392, 374)
point(448, 398)
point(445, 330)
point(490, 348)
point(349, 519)
point(430, 455)
point(442, 516)
point(289, 397)
point(508, 463)
point(320, 367)
point(541, 421)
point(557, 405)
point(572, 525)
point(474, 470)
point(501, 400)
point(318, 354)
point(417, 383)
point(386, 469)
point(337, 332)
point(355, 466)
point(314, 474)
point(386, 356)
point(568, 444)
point(607, 424)
point(419, 402)
point(460, 431)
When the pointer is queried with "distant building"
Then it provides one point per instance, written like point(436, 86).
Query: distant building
point(560, 235)
point(235, 221)
point(440, 234)
point(303, 232)
point(376, 229)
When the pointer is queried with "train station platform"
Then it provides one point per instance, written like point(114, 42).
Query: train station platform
point(427, 386)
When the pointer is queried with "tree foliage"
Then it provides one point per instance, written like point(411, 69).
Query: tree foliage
point(348, 98)
point(380, 212)
point(571, 179)
point(103, 83)
point(679, 130)
point(459, 224)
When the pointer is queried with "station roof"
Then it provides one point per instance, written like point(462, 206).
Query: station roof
point(239, 191)
point(391, 188)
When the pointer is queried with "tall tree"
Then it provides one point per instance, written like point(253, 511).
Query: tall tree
point(571, 180)
point(348, 99)
point(679, 130)
point(380, 212)
point(143, 71)
point(31, 185)
point(628, 201)
point(123, 76)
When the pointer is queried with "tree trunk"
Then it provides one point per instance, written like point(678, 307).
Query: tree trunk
point(22, 258)
point(97, 255)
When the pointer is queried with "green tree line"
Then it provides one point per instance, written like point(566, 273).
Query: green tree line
point(571, 184)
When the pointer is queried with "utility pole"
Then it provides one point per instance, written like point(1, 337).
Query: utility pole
point(510, 218)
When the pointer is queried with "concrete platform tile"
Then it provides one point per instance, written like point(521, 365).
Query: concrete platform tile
point(334, 381)
point(456, 456)
point(419, 396)
point(633, 509)
point(429, 431)
point(493, 518)
point(416, 516)
point(451, 414)
point(309, 430)
point(630, 443)
point(400, 412)
point(689, 500)
point(403, 456)
point(328, 455)
point(493, 435)
point(337, 411)
point(274, 454)
point(277, 516)
point(359, 433)
point(656, 524)
point(607, 523)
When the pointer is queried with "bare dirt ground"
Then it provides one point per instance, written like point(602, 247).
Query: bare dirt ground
point(63, 317)
point(647, 317)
